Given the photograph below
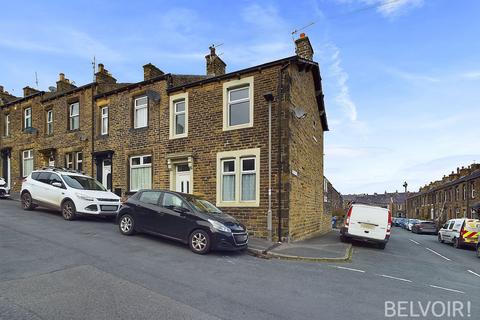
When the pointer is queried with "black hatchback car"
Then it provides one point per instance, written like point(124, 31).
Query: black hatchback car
point(183, 217)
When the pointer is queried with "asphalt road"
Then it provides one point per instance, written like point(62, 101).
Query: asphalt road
point(85, 269)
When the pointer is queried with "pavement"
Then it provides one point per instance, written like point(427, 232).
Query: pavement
point(85, 269)
point(324, 248)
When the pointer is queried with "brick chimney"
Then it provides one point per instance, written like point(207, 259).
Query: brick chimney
point(64, 84)
point(103, 76)
point(303, 47)
point(5, 97)
point(150, 71)
point(215, 65)
point(27, 91)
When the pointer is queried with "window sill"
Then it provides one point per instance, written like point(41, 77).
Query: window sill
point(238, 127)
point(102, 136)
point(74, 130)
point(250, 204)
point(139, 129)
point(178, 136)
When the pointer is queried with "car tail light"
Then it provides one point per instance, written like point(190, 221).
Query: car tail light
point(389, 226)
point(347, 221)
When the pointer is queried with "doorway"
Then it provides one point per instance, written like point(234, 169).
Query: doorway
point(107, 174)
point(183, 178)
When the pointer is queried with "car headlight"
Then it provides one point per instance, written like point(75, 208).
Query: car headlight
point(84, 197)
point(219, 226)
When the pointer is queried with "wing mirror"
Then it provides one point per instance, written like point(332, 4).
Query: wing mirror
point(57, 184)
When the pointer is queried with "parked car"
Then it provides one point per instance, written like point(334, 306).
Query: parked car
point(403, 223)
point(478, 249)
point(183, 217)
point(4, 190)
point(410, 223)
point(460, 232)
point(72, 193)
point(399, 222)
point(424, 227)
point(367, 223)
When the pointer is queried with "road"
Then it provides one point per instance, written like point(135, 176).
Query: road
point(55, 269)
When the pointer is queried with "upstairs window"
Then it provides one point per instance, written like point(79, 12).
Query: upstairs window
point(104, 121)
point(27, 118)
point(238, 104)
point(49, 122)
point(6, 128)
point(140, 113)
point(74, 116)
point(179, 116)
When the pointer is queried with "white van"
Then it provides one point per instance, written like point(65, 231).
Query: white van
point(460, 232)
point(367, 223)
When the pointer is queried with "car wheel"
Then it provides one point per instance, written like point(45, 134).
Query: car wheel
point(68, 210)
point(343, 238)
point(382, 245)
point(27, 203)
point(199, 242)
point(440, 239)
point(126, 225)
point(456, 243)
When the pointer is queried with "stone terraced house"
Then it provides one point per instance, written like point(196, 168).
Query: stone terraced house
point(222, 135)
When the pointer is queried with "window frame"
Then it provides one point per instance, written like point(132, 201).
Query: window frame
point(141, 165)
point(6, 125)
point(71, 116)
point(136, 108)
point(230, 86)
point(49, 122)
point(238, 156)
point(174, 99)
point(30, 157)
point(103, 130)
point(29, 118)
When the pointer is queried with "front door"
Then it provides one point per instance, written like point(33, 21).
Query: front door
point(183, 179)
point(107, 174)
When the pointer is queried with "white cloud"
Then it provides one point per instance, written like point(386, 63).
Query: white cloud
point(389, 8)
point(413, 77)
point(471, 75)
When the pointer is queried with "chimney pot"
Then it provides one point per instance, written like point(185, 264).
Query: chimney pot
point(302, 35)
point(101, 67)
point(62, 77)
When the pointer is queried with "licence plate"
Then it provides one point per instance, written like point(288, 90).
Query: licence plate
point(108, 208)
point(367, 226)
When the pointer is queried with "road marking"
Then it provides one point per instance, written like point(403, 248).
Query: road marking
point(438, 254)
point(350, 269)
point(414, 241)
point(447, 289)
point(478, 275)
point(395, 278)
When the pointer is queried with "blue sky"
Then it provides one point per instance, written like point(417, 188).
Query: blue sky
point(401, 81)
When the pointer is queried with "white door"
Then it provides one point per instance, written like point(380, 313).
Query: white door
point(51, 162)
point(107, 174)
point(183, 179)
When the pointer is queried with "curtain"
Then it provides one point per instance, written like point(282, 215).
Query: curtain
point(228, 185)
point(141, 178)
point(27, 166)
point(248, 187)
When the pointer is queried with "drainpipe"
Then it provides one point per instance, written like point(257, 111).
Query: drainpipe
point(279, 155)
point(269, 97)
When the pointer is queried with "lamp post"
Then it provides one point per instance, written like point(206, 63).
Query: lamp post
point(405, 185)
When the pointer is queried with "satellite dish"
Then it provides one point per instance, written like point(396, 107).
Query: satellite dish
point(299, 113)
point(52, 89)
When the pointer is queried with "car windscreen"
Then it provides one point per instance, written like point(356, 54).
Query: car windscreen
point(202, 205)
point(82, 183)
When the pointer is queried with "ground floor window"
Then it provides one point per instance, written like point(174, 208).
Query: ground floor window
point(238, 178)
point(140, 172)
point(74, 161)
point(27, 162)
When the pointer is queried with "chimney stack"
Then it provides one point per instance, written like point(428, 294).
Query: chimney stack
point(150, 71)
point(63, 84)
point(5, 97)
point(215, 65)
point(303, 47)
point(103, 76)
point(27, 91)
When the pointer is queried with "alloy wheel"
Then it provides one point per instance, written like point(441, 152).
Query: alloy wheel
point(67, 211)
point(126, 224)
point(26, 201)
point(199, 241)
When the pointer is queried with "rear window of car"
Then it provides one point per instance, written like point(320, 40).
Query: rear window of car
point(150, 197)
point(35, 175)
point(428, 222)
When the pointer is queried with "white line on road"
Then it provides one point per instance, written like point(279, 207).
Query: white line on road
point(395, 278)
point(350, 269)
point(414, 241)
point(438, 254)
point(447, 289)
point(478, 275)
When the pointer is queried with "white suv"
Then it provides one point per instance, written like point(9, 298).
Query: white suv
point(71, 192)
